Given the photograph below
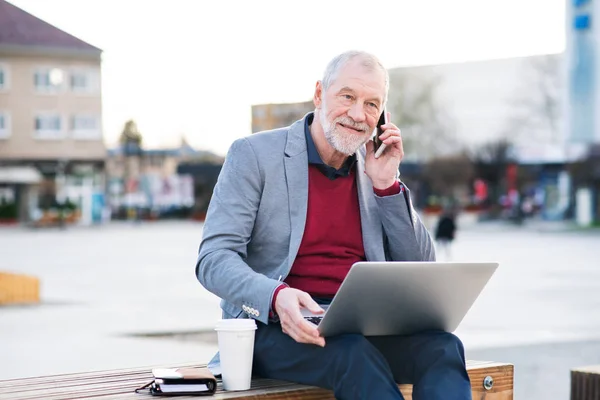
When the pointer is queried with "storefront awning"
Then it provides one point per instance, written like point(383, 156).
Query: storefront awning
point(22, 175)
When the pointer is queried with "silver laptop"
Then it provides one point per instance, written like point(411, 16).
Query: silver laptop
point(401, 298)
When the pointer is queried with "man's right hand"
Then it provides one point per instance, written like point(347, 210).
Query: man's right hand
point(287, 305)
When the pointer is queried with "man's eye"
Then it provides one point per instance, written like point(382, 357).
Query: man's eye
point(373, 105)
point(347, 97)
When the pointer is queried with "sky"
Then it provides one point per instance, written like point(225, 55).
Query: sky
point(193, 68)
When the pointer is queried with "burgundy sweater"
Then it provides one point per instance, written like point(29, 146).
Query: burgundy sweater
point(332, 239)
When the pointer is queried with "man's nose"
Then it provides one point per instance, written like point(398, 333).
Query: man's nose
point(357, 113)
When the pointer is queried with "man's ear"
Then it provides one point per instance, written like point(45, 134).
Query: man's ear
point(318, 97)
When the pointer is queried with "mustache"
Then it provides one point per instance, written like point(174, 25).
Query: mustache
point(347, 121)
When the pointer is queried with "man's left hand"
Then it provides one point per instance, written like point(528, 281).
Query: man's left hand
point(382, 171)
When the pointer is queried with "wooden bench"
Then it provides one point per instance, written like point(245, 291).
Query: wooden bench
point(18, 289)
point(489, 380)
point(585, 383)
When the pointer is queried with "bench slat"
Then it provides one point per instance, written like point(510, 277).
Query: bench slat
point(120, 384)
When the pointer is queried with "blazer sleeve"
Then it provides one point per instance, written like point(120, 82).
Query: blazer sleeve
point(221, 267)
point(407, 237)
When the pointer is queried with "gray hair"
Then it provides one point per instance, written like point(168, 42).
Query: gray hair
point(367, 60)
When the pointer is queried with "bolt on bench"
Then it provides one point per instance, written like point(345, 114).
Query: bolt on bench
point(489, 380)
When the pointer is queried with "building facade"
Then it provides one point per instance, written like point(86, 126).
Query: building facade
point(582, 99)
point(271, 116)
point(51, 138)
point(582, 94)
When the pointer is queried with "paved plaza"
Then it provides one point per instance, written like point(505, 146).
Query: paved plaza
point(112, 295)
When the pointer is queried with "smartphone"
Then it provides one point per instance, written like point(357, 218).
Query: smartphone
point(379, 145)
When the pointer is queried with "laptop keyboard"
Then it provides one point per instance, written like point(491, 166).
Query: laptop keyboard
point(315, 319)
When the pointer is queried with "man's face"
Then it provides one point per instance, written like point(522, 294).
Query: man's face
point(351, 106)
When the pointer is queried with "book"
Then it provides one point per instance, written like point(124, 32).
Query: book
point(172, 388)
point(174, 381)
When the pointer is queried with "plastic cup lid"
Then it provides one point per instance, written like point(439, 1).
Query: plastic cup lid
point(239, 324)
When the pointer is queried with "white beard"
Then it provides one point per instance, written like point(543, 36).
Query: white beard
point(341, 141)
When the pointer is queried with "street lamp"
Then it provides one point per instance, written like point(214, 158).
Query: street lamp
point(56, 77)
point(61, 196)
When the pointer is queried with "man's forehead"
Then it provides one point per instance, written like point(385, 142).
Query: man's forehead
point(359, 77)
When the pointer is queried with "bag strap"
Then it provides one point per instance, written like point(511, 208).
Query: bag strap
point(145, 386)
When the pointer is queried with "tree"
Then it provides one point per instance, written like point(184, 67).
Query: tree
point(447, 174)
point(131, 139)
point(183, 142)
point(414, 102)
point(494, 152)
point(536, 107)
point(131, 142)
point(491, 161)
point(130, 134)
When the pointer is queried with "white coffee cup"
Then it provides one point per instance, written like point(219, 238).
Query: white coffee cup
point(236, 349)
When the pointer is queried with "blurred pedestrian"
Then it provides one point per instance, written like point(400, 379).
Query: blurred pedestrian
point(445, 232)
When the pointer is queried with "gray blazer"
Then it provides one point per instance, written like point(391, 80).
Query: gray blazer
point(256, 219)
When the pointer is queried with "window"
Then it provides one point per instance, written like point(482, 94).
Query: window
point(85, 127)
point(3, 77)
point(84, 81)
point(4, 125)
point(48, 80)
point(79, 82)
point(259, 112)
point(84, 123)
point(48, 126)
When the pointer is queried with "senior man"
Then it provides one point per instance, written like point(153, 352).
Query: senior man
point(292, 210)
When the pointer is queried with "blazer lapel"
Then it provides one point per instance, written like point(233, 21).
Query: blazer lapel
point(296, 176)
point(372, 229)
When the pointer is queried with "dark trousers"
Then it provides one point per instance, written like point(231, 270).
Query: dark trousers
point(358, 367)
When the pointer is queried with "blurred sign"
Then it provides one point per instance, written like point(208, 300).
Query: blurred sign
point(171, 191)
point(581, 22)
point(481, 190)
point(154, 191)
point(579, 3)
point(132, 185)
